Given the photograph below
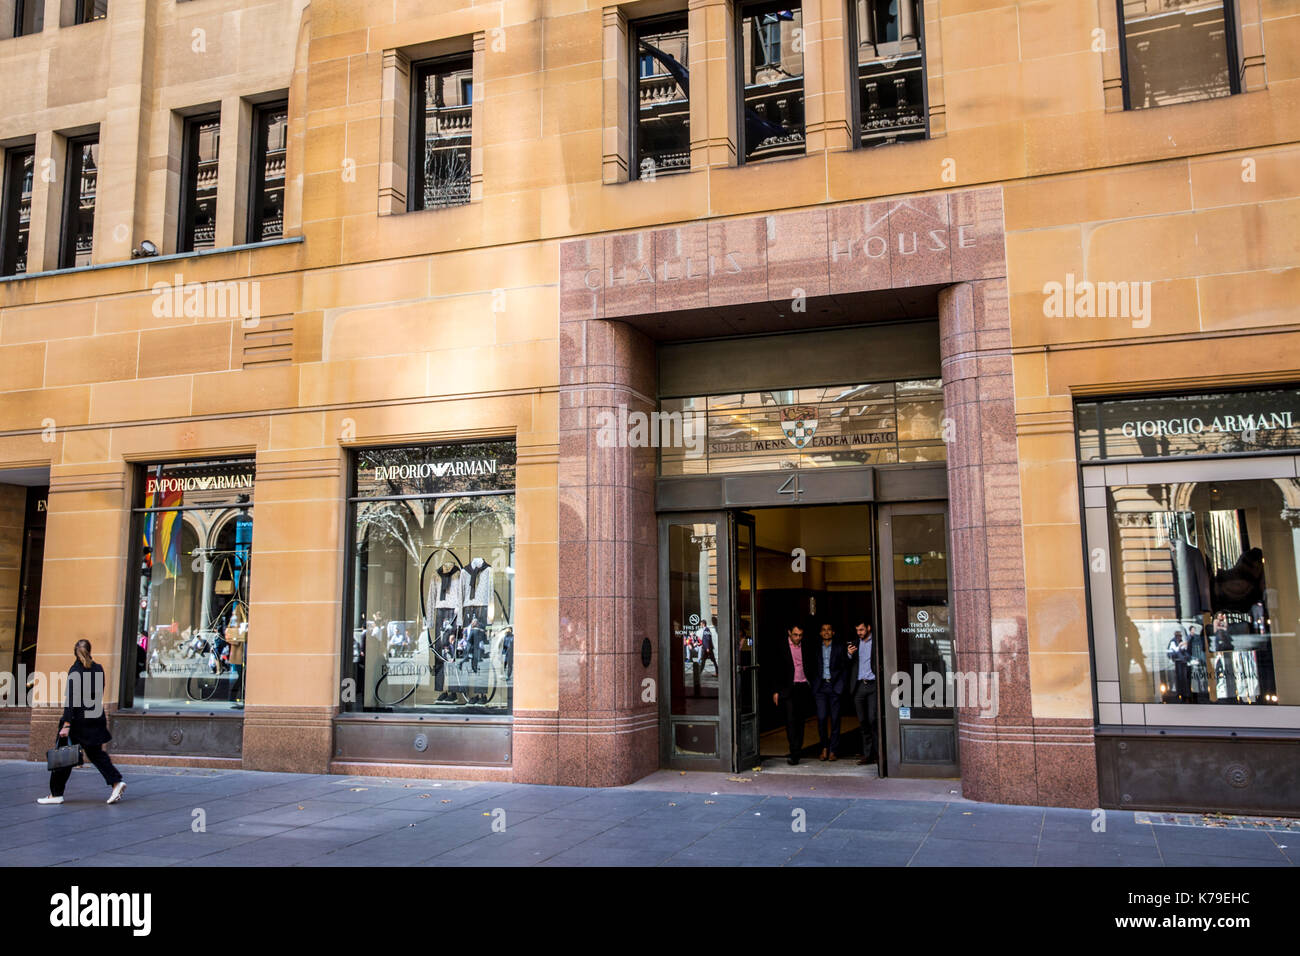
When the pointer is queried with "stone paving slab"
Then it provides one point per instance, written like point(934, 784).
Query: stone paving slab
point(276, 819)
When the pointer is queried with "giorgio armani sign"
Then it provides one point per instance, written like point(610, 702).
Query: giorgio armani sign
point(1165, 427)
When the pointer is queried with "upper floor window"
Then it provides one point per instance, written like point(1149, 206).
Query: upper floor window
point(88, 10)
point(16, 214)
point(266, 213)
point(198, 219)
point(29, 17)
point(441, 131)
point(771, 82)
point(1177, 51)
point(661, 129)
point(889, 91)
point(79, 202)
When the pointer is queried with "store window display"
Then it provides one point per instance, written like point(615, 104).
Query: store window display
point(431, 586)
point(1206, 590)
point(193, 533)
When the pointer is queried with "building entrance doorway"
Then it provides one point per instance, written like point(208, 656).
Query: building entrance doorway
point(735, 583)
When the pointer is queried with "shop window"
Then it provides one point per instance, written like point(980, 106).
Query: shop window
point(29, 17)
point(16, 216)
point(889, 65)
point(88, 10)
point(431, 579)
point(1206, 590)
point(661, 131)
point(822, 427)
point(1177, 51)
point(266, 195)
point(79, 202)
point(192, 569)
point(771, 46)
point(198, 219)
point(441, 132)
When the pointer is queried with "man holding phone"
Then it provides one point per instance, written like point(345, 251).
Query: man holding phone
point(864, 691)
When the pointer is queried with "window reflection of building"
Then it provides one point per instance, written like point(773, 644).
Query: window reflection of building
point(662, 102)
point(443, 134)
point(1176, 51)
point(272, 131)
point(199, 186)
point(83, 173)
point(17, 212)
point(773, 94)
point(890, 71)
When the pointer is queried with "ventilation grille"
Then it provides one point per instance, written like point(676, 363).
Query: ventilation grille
point(270, 342)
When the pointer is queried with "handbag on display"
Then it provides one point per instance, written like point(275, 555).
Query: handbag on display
point(63, 755)
point(236, 637)
point(225, 583)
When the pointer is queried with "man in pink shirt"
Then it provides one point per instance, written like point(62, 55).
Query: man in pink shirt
point(790, 689)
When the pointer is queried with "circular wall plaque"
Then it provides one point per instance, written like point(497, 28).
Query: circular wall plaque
point(1238, 775)
point(421, 743)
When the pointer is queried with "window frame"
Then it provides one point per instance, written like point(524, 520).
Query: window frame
point(19, 7)
point(72, 199)
point(84, 12)
point(137, 513)
point(419, 71)
point(1230, 49)
point(10, 199)
point(634, 32)
point(855, 92)
point(738, 41)
point(353, 500)
point(189, 185)
point(257, 172)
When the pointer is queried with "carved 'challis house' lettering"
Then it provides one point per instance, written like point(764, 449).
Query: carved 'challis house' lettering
point(909, 244)
point(670, 270)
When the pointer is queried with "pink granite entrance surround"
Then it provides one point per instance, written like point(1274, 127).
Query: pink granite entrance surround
point(603, 733)
point(914, 241)
point(1012, 757)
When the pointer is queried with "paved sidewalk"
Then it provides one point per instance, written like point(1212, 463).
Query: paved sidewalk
point(280, 819)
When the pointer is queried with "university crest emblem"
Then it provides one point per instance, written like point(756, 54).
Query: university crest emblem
point(799, 422)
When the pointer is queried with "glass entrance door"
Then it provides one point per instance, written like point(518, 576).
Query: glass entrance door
point(695, 598)
point(746, 694)
point(919, 679)
point(707, 622)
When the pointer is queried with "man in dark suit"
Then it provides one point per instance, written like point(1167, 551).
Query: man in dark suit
point(790, 688)
point(827, 676)
point(864, 690)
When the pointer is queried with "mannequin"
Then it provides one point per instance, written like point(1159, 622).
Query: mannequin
point(477, 579)
point(445, 600)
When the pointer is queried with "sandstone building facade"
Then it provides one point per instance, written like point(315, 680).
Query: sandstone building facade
point(483, 389)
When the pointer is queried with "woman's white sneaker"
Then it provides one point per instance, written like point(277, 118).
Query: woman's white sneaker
point(116, 795)
point(50, 800)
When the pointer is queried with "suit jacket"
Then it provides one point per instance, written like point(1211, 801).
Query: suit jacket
point(839, 667)
point(780, 670)
point(84, 705)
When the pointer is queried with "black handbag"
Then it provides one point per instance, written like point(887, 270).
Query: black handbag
point(62, 756)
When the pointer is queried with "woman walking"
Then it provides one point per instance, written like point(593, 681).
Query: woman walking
point(84, 722)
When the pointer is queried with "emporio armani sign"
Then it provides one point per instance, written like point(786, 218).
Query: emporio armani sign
point(155, 485)
point(437, 469)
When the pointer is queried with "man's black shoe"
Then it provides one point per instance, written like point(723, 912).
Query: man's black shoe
point(792, 760)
